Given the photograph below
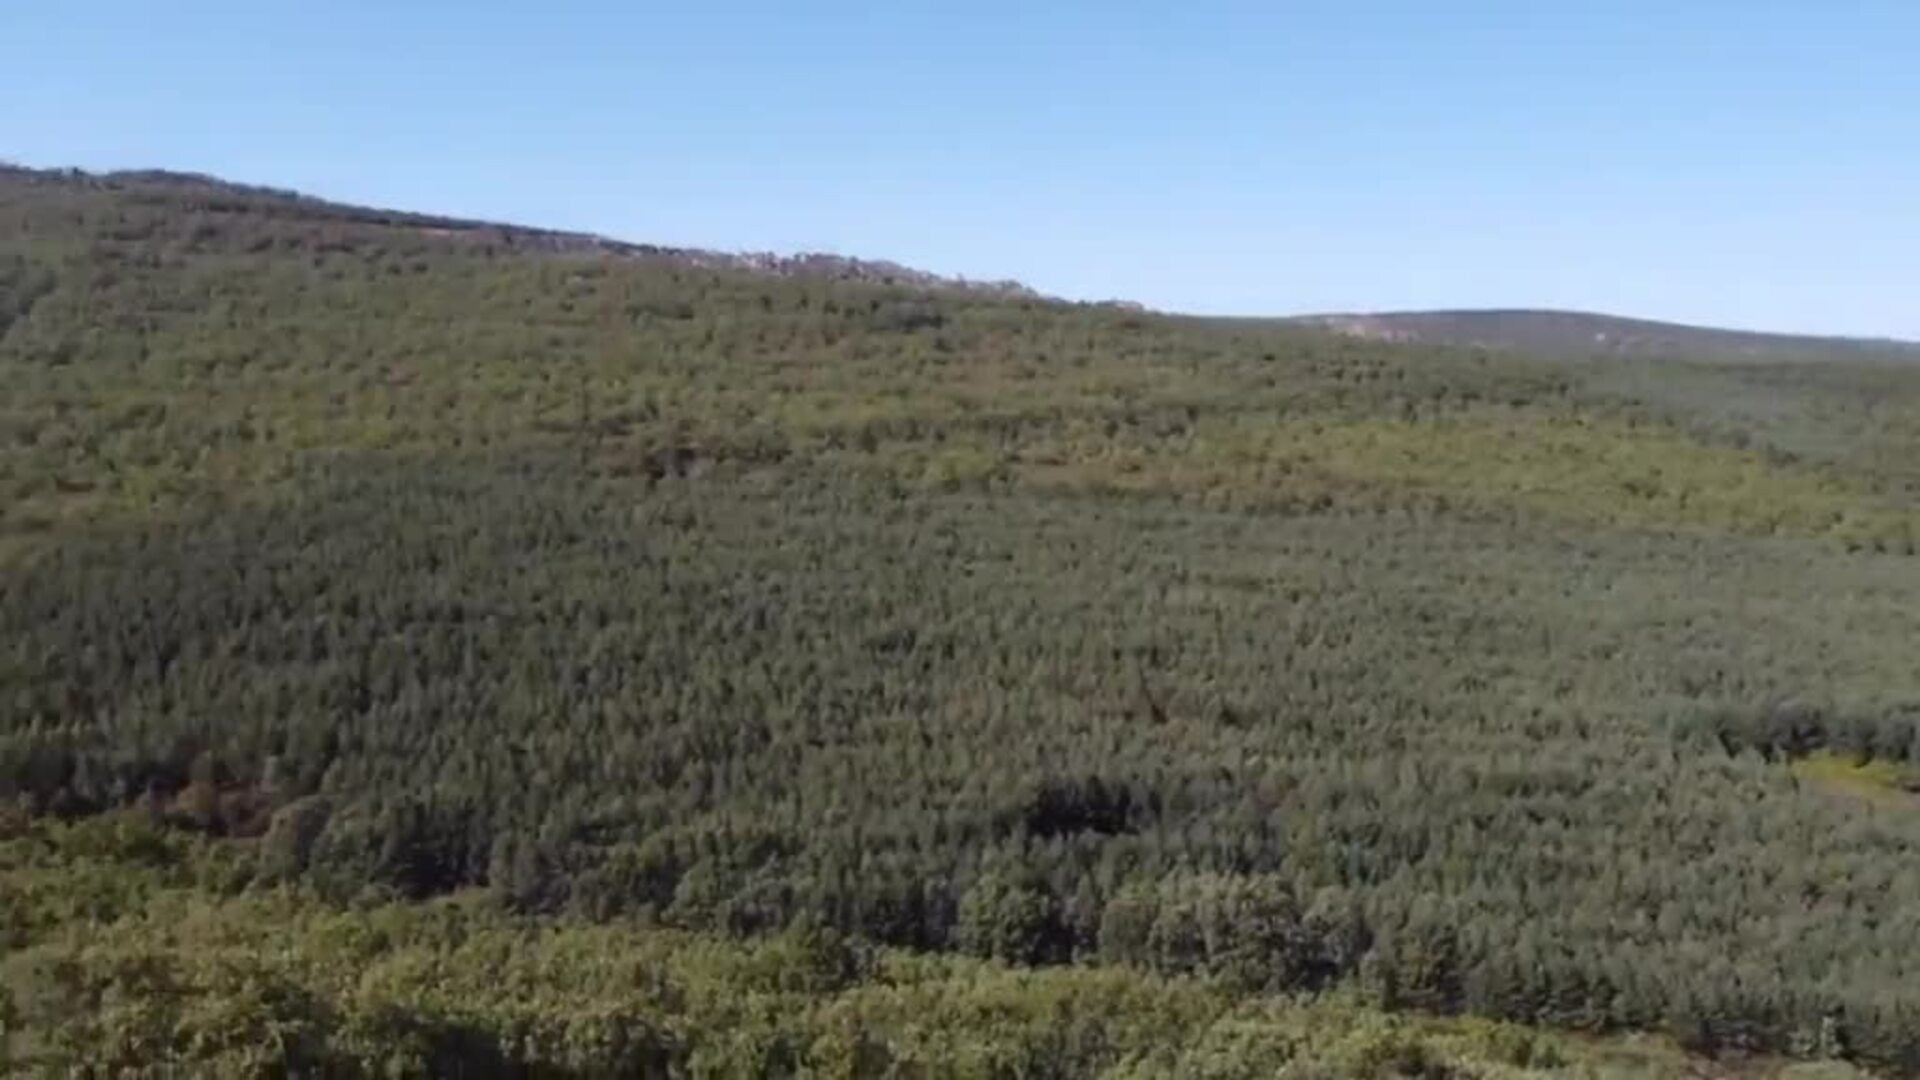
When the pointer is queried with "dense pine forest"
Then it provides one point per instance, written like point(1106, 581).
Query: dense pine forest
point(427, 645)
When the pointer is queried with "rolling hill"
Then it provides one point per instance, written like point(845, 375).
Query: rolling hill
point(1575, 333)
point(429, 645)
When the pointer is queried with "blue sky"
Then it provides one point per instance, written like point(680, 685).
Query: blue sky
point(1754, 163)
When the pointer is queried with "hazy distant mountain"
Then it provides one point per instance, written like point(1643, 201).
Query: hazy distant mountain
point(1584, 333)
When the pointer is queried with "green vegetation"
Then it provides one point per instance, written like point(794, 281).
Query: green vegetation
point(656, 604)
point(171, 970)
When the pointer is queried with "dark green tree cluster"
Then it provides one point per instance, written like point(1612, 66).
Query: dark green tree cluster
point(1033, 731)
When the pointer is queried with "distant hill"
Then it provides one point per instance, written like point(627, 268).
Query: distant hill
point(1587, 334)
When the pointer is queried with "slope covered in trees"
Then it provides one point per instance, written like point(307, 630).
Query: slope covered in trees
point(406, 560)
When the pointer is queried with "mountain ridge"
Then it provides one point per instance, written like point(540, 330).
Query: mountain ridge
point(1588, 333)
point(1551, 331)
point(222, 194)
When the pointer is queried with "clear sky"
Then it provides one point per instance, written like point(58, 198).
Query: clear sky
point(1748, 162)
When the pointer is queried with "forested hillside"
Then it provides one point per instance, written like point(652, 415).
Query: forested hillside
point(621, 590)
